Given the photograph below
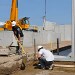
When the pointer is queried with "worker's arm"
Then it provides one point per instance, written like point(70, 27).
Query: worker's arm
point(19, 37)
point(38, 55)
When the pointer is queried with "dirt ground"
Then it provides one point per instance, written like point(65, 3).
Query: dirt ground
point(31, 70)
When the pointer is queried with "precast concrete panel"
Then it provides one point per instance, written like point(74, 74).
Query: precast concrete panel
point(73, 29)
point(57, 36)
point(6, 38)
point(50, 25)
point(68, 32)
point(1, 38)
point(45, 37)
point(57, 28)
point(28, 38)
point(51, 37)
point(62, 31)
point(39, 38)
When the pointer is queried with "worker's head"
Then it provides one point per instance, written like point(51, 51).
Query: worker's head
point(13, 23)
point(40, 47)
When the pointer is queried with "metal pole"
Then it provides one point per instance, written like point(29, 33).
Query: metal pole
point(34, 50)
point(45, 8)
point(58, 46)
point(44, 17)
point(73, 29)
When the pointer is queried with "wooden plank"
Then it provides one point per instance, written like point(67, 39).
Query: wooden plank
point(58, 65)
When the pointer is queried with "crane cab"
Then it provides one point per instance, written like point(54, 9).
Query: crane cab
point(24, 23)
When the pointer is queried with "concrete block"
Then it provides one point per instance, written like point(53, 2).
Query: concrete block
point(4, 51)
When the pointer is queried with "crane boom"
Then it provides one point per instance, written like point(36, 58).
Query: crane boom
point(22, 23)
point(14, 10)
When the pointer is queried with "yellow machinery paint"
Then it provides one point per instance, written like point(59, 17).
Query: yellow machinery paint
point(22, 23)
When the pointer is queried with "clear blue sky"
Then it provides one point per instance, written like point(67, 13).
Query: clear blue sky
point(58, 11)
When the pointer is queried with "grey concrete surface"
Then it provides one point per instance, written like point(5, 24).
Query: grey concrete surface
point(41, 37)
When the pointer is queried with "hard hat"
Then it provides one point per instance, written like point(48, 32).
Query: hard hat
point(40, 47)
point(13, 23)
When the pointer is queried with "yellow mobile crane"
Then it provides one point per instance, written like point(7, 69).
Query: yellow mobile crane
point(22, 23)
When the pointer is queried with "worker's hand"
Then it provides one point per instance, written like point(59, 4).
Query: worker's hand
point(18, 41)
point(36, 56)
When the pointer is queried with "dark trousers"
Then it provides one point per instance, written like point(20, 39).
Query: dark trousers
point(18, 48)
point(44, 63)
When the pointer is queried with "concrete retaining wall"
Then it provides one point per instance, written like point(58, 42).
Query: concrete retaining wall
point(41, 37)
point(6, 38)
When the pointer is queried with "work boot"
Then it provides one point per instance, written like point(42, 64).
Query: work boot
point(51, 67)
point(18, 52)
point(43, 68)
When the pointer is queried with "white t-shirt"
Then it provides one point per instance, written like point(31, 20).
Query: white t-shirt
point(46, 54)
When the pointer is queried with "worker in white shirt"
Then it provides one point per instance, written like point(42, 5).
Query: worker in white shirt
point(45, 58)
